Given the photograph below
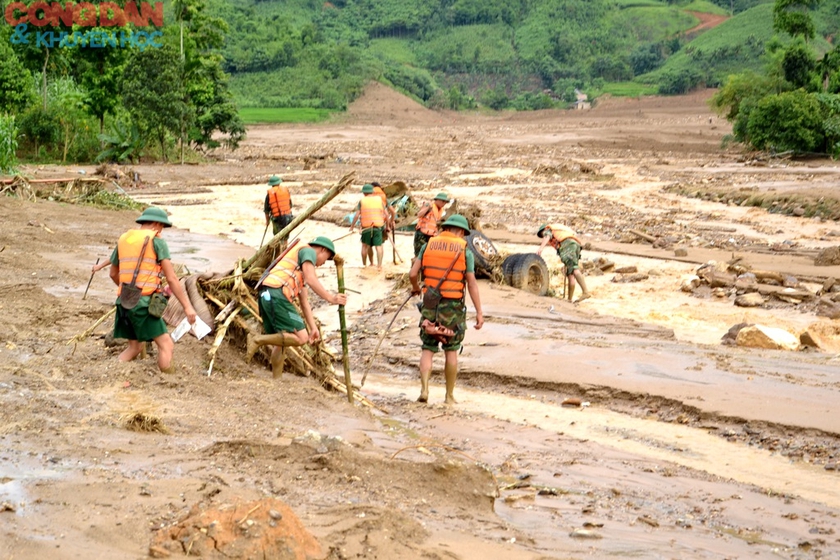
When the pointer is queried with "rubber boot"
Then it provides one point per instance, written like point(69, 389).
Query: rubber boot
point(255, 341)
point(278, 361)
point(425, 374)
point(450, 371)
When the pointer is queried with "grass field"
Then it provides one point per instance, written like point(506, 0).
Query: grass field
point(628, 89)
point(263, 115)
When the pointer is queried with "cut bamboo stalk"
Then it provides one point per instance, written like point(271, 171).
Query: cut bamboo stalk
point(81, 336)
point(342, 321)
point(263, 256)
point(220, 335)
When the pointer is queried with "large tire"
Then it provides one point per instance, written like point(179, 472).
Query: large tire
point(507, 267)
point(484, 252)
point(530, 273)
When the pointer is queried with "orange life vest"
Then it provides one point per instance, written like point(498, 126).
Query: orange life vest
point(428, 223)
point(382, 195)
point(287, 274)
point(280, 200)
point(373, 212)
point(439, 253)
point(128, 250)
point(560, 233)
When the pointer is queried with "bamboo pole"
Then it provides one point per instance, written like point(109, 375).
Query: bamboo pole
point(81, 336)
point(263, 255)
point(220, 335)
point(342, 321)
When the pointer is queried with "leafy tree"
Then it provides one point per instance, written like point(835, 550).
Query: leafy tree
point(789, 121)
point(67, 103)
point(99, 73)
point(646, 58)
point(791, 17)
point(153, 93)
point(830, 107)
point(798, 64)
point(15, 81)
point(213, 108)
point(683, 81)
point(208, 104)
point(748, 85)
point(39, 128)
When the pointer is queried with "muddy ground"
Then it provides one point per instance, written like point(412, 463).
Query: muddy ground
point(682, 447)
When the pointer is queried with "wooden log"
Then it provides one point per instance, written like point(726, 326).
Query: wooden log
point(646, 237)
point(263, 256)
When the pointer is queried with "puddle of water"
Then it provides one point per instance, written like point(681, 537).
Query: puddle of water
point(676, 443)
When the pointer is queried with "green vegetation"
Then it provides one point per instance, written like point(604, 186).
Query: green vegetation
point(299, 60)
point(8, 144)
point(793, 105)
point(149, 99)
point(626, 89)
point(262, 115)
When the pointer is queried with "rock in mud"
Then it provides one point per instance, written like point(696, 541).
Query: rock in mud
point(829, 256)
point(680, 252)
point(760, 336)
point(689, 283)
point(240, 531)
point(585, 534)
point(752, 299)
point(628, 278)
point(732, 334)
point(822, 335)
point(746, 282)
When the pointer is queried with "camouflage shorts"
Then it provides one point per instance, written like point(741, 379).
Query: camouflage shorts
point(420, 239)
point(451, 313)
point(569, 253)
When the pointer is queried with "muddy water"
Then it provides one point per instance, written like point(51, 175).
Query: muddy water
point(653, 362)
point(676, 443)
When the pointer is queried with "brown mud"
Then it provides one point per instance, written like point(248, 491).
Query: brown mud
point(679, 448)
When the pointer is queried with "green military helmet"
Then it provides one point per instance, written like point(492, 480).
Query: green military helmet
point(324, 242)
point(457, 220)
point(442, 196)
point(541, 230)
point(367, 189)
point(154, 214)
point(274, 180)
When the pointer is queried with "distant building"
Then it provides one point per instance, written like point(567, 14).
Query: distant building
point(581, 101)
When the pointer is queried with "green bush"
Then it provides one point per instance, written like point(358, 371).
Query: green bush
point(496, 99)
point(529, 101)
point(40, 130)
point(123, 142)
point(8, 144)
point(790, 121)
point(680, 81)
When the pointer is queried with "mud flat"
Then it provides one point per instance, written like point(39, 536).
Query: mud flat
point(676, 446)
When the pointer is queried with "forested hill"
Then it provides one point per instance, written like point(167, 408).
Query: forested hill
point(520, 53)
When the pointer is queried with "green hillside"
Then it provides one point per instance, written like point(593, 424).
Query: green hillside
point(449, 53)
point(736, 45)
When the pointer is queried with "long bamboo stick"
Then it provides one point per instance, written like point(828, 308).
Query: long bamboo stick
point(263, 255)
point(342, 321)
